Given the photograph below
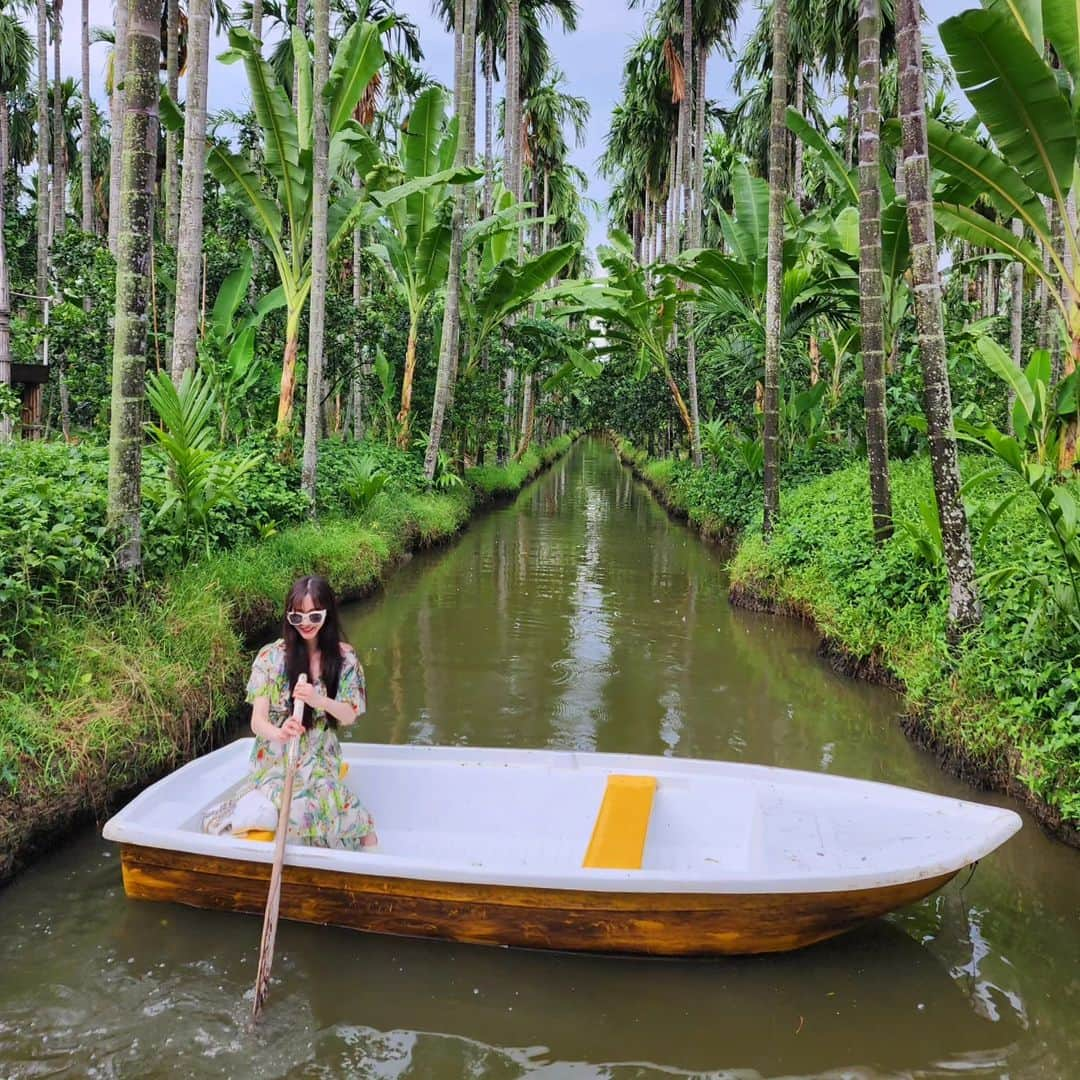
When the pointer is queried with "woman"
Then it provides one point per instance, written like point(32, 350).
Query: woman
point(324, 812)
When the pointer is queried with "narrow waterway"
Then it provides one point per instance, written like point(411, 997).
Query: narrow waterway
point(579, 617)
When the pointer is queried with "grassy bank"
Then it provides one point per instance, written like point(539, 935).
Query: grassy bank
point(1001, 710)
point(112, 697)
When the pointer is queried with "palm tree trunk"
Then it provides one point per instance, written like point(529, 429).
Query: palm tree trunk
point(59, 178)
point(189, 236)
point(464, 105)
point(320, 191)
point(301, 22)
point(257, 20)
point(42, 278)
point(686, 116)
point(172, 164)
point(699, 144)
point(871, 288)
point(87, 140)
point(512, 122)
point(141, 92)
point(116, 121)
point(964, 608)
point(489, 124)
point(775, 267)
point(5, 282)
point(357, 379)
point(797, 181)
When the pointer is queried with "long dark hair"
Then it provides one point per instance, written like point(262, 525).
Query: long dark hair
point(328, 641)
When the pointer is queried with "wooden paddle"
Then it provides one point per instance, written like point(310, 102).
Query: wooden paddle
point(273, 899)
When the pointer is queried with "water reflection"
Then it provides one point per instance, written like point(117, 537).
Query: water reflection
point(579, 616)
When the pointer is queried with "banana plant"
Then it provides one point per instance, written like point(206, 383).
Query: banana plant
point(281, 216)
point(1028, 110)
point(414, 232)
point(636, 320)
point(227, 350)
point(819, 276)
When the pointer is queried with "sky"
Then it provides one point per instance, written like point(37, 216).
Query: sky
point(592, 58)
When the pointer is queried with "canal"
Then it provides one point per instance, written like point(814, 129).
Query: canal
point(578, 617)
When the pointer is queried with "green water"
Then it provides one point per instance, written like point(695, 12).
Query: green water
point(579, 617)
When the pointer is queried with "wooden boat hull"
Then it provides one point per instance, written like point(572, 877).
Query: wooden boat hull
point(648, 923)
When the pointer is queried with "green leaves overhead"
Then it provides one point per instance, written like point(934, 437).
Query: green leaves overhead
point(830, 159)
point(1028, 15)
point(1062, 27)
point(970, 225)
point(1016, 96)
point(967, 161)
point(359, 55)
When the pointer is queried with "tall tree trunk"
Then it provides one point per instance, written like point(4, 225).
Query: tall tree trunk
point(464, 105)
point(189, 237)
point(871, 289)
point(686, 107)
point(775, 268)
point(512, 118)
point(320, 191)
point(5, 282)
point(852, 126)
point(116, 120)
point(964, 608)
point(699, 143)
point(42, 278)
point(172, 164)
point(357, 379)
point(59, 170)
point(257, 21)
point(301, 22)
point(87, 139)
point(133, 277)
point(489, 124)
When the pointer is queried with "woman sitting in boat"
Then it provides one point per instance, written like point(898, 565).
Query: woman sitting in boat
point(324, 812)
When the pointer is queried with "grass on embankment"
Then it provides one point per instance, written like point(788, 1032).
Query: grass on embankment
point(112, 698)
point(1002, 707)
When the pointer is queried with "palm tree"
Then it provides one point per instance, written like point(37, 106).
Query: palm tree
point(141, 93)
point(870, 283)
point(86, 134)
point(172, 83)
point(189, 236)
point(59, 157)
point(464, 107)
point(16, 58)
point(775, 269)
point(964, 607)
point(116, 118)
point(319, 248)
point(42, 279)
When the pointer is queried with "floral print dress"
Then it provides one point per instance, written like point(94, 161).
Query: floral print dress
point(324, 812)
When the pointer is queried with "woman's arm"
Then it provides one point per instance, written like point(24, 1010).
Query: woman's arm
point(261, 724)
point(343, 712)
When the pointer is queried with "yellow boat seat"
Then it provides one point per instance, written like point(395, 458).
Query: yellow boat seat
point(268, 834)
point(622, 824)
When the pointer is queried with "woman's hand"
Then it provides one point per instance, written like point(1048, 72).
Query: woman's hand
point(290, 729)
point(307, 693)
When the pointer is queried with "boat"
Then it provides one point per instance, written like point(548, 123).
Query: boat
point(568, 850)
